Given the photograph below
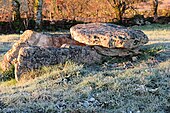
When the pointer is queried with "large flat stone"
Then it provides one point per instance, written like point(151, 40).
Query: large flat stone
point(35, 57)
point(108, 35)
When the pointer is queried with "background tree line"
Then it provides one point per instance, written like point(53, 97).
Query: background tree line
point(27, 12)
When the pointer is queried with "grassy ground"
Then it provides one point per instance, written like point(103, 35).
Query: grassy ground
point(124, 85)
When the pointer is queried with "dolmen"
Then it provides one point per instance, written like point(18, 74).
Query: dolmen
point(86, 43)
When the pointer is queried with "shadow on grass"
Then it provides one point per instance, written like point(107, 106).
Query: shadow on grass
point(5, 46)
point(160, 51)
point(2, 105)
point(7, 75)
point(151, 56)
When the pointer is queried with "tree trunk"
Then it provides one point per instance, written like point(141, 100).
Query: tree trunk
point(155, 9)
point(16, 9)
point(120, 16)
point(38, 20)
point(54, 9)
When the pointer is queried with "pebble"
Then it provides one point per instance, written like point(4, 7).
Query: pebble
point(86, 104)
point(138, 111)
point(91, 99)
point(21, 32)
point(134, 59)
point(147, 23)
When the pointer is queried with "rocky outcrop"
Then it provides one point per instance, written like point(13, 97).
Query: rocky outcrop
point(35, 57)
point(108, 35)
point(31, 38)
point(90, 43)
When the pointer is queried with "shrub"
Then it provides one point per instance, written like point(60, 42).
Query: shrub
point(8, 74)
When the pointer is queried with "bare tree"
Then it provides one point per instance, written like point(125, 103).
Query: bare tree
point(155, 9)
point(121, 6)
point(16, 8)
point(38, 20)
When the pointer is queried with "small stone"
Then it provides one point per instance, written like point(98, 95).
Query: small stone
point(86, 104)
point(91, 99)
point(147, 23)
point(65, 46)
point(20, 32)
point(153, 90)
point(138, 111)
point(141, 88)
point(134, 59)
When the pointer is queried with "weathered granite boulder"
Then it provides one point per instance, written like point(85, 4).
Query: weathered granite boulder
point(108, 35)
point(34, 57)
point(31, 38)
